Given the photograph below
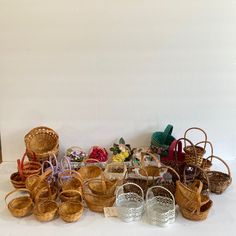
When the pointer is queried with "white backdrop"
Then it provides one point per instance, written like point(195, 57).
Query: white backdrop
point(98, 70)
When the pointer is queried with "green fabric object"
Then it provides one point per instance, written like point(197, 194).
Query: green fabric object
point(161, 141)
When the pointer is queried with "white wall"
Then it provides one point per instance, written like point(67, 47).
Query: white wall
point(98, 70)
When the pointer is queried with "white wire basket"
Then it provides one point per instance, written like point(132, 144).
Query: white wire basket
point(160, 210)
point(130, 205)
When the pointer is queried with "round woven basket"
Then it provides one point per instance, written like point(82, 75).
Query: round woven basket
point(41, 142)
point(219, 181)
point(20, 206)
point(70, 211)
point(17, 181)
point(89, 171)
point(45, 210)
point(199, 214)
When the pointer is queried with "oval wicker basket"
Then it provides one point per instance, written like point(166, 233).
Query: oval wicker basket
point(219, 181)
point(46, 210)
point(20, 206)
point(89, 171)
point(70, 211)
point(42, 141)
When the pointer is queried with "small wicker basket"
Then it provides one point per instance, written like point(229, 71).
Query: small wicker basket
point(20, 206)
point(219, 181)
point(70, 211)
point(45, 210)
point(17, 181)
point(70, 195)
point(42, 141)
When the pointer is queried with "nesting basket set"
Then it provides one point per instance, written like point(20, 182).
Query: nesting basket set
point(172, 172)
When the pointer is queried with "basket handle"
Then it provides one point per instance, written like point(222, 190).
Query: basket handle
point(20, 168)
point(172, 149)
point(228, 169)
point(91, 159)
point(122, 188)
point(168, 131)
point(199, 129)
point(209, 143)
point(173, 170)
point(41, 190)
point(51, 166)
point(72, 191)
point(63, 168)
point(143, 158)
point(160, 187)
point(52, 158)
point(17, 190)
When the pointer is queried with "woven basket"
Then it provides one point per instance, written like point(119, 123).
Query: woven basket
point(199, 151)
point(89, 171)
point(20, 206)
point(190, 197)
point(161, 141)
point(17, 181)
point(46, 193)
point(70, 195)
point(28, 168)
point(70, 211)
point(70, 179)
point(219, 181)
point(97, 202)
point(42, 141)
point(199, 214)
point(45, 210)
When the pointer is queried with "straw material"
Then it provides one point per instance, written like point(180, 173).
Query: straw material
point(17, 181)
point(90, 172)
point(96, 202)
point(42, 141)
point(219, 181)
point(45, 193)
point(199, 214)
point(45, 210)
point(70, 211)
point(70, 195)
point(20, 206)
point(194, 154)
point(70, 179)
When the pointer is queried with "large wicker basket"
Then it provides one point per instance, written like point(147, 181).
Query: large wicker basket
point(41, 141)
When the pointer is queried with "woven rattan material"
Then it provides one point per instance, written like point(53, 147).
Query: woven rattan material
point(17, 181)
point(70, 195)
point(42, 141)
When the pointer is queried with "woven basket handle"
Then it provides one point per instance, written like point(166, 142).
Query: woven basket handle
point(41, 190)
point(91, 159)
point(121, 189)
point(205, 143)
point(160, 187)
point(173, 170)
point(199, 129)
point(20, 170)
point(218, 158)
point(51, 166)
point(143, 158)
point(168, 131)
point(53, 158)
point(172, 149)
point(67, 160)
point(17, 190)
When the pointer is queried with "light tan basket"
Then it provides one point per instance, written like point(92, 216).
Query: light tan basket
point(41, 142)
point(70, 211)
point(70, 195)
point(20, 206)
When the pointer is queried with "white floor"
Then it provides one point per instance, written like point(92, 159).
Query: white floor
point(221, 219)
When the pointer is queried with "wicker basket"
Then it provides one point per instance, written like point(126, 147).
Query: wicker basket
point(195, 155)
point(42, 141)
point(46, 193)
point(70, 211)
point(96, 202)
point(70, 195)
point(219, 181)
point(89, 171)
point(28, 168)
point(20, 206)
point(200, 214)
point(17, 181)
point(45, 210)
point(70, 179)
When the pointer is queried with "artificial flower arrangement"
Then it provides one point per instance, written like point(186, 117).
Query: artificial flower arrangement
point(98, 153)
point(121, 152)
